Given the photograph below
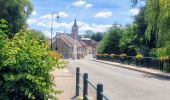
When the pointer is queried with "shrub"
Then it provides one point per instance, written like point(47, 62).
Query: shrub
point(112, 55)
point(165, 58)
point(139, 56)
point(105, 54)
point(123, 55)
point(25, 67)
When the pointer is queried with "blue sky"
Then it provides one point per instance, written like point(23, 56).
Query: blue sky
point(95, 15)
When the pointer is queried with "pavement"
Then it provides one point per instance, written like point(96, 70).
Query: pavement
point(65, 81)
point(136, 68)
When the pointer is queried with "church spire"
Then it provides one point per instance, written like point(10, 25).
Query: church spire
point(75, 22)
point(75, 29)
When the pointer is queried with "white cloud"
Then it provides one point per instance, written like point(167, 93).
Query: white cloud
point(88, 6)
point(134, 11)
point(83, 26)
point(32, 21)
point(34, 13)
point(49, 16)
point(103, 14)
point(94, 27)
point(82, 4)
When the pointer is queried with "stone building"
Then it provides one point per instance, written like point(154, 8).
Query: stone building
point(70, 46)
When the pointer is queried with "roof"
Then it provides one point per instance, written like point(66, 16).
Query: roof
point(85, 39)
point(69, 40)
point(89, 42)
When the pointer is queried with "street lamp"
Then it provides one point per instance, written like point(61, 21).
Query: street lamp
point(52, 26)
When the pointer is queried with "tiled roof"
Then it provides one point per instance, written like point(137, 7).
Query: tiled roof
point(89, 42)
point(69, 40)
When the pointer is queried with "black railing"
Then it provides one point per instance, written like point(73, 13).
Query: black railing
point(148, 62)
point(86, 82)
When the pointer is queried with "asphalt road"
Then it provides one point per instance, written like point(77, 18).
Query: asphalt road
point(123, 84)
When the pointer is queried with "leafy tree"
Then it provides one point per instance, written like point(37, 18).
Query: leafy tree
point(97, 36)
point(157, 18)
point(127, 40)
point(88, 34)
point(15, 12)
point(25, 66)
point(142, 44)
point(3, 26)
point(110, 41)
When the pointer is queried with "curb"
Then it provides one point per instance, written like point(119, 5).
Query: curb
point(162, 75)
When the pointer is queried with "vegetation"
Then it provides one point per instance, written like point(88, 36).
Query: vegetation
point(15, 12)
point(92, 35)
point(148, 35)
point(25, 66)
point(110, 41)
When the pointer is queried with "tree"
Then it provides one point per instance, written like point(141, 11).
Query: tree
point(15, 12)
point(127, 40)
point(88, 34)
point(110, 41)
point(157, 18)
point(142, 44)
point(97, 36)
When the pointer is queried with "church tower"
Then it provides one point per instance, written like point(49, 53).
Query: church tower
point(74, 31)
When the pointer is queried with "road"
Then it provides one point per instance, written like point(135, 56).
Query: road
point(123, 84)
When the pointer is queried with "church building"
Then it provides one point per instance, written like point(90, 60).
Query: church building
point(71, 46)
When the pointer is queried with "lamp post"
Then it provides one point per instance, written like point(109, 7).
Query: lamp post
point(52, 26)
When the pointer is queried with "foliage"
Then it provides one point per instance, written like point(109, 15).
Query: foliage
point(160, 52)
point(127, 40)
point(105, 54)
point(157, 16)
point(3, 26)
point(94, 36)
point(25, 67)
point(112, 55)
point(15, 12)
point(123, 55)
point(88, 34)
point(139, 56)
point(110, 41)
point(97, 36)
point(168, 48)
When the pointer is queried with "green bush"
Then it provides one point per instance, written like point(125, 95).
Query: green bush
point(25, 66)
point(139, 56)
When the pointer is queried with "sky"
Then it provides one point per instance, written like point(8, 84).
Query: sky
point(95, 15)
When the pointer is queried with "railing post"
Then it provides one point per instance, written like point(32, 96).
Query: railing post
point(85, 86)
point(77, 81)
point(99, 91)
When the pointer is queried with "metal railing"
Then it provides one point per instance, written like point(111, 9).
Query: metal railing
point(148, 62)
point(86, 82)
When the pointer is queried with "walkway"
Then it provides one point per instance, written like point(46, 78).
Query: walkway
point(65, 81)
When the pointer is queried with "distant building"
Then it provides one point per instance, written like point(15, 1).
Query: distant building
point(71, 46)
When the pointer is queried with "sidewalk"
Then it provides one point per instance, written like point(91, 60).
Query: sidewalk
point(65, 81)
point(137, 68)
